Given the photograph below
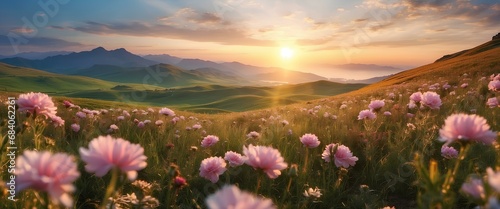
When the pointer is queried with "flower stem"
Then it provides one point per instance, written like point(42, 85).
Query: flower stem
point(450, 176)
point(110, 191)
point(304, 170)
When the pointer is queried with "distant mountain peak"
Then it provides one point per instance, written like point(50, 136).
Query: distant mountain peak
point(496, 37)
point(99, 49)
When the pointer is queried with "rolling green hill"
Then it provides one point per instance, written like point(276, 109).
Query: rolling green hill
point(208, 98)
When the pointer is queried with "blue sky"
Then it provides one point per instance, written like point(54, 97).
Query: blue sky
point(321, 32)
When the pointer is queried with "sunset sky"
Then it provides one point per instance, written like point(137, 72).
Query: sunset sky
point(312, 34)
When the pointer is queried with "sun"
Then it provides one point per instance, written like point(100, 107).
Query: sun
point(286, 53)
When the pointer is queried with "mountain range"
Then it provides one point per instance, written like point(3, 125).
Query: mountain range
point(118, 65)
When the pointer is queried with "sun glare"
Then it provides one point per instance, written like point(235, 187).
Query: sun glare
point(286, 53)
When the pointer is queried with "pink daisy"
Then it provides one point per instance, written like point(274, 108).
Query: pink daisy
point(310, 140)
point(376, 105)
point(266, 158)
point(235, 159)
point(342, 155)
point(56, 120)
point(75, 127)
point(211, 168)
point(209, 141)
point(366, 114)
point(494, 85)
point(36, 103)
point(106, 152)
point(449, 152)
point(51, 173)
point(431, 99)
point(465, 127)
point(167, 112)
point(232, 197)
point(253, 135)
point(492, 102)
point(474, 188)
point(416, 97)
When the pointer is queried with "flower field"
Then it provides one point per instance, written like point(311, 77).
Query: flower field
point(431, 143)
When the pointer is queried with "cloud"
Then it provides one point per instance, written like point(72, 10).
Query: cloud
point(36, 44)
point(192, 17)
point(227, 36)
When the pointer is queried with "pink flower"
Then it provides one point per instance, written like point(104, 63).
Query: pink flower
point(431, 99)
point(266, 158)
point(310, 140)
point(416, 97)
point(253, 135)
point(141, 125)
point(387, 113)
point(494, 85)
point(121, 117)
point(106, 152)
point(179, 182)
point(36, 103)
point(466, 128)
point(232, 197)
point(81, 114)
point(492, 102)
point(410, 115)
point(464, 85)
point(449, 152)
point(284, 122)
point(75, 127)
point(493, 179)
point(56, 120)
point(366, 114)
point(113, 127)
point(51, 173)
point(197, 126)
point(376, 105)
point(167, 112)
point(211, 168)
point(235, 159)
point(412, 105)
point(474, 188)
point(342, 155)
point(209, 141)
point(159, 122)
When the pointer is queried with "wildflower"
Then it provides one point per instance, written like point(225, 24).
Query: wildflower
point(209, 141)
point(37, 104)
point(343, 106)
point(366, 114)
point(106, 152)
point(431, 99)
point(197, 126)
point(492, 102)
point(194, 148)
point(159, 122)
point(143, 185)
point(51, 173)
point(253, 135)
point(474, 188)
point(449, 152)
point(493, 179)
point(167, 112)
point(75, 127)
point(179, 182)
point(121, 117)
point(387, 113)
point(113, 127)
point(412, 105)
point(266, 158)
point(68, 104)
point(235, 159)
point(410, 115)
point(56, 120)
point(376, 105)
point(284, 122)
point(81, 114)
point(464, 85)
point(212, 167)
point(465, 127)
point(342, 155)
point(411, 126)
point(312, 192)
point(494, 85)
point(310, 140)
point(416, 97)
point(232, 197)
